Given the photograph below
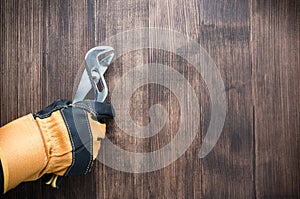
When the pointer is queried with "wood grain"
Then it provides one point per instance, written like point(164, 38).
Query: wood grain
point(68, 32)
point(255, 45)
point(275, 48)
point(21, 63)
point(113, 17)
point(228, 169)
point(183, 178)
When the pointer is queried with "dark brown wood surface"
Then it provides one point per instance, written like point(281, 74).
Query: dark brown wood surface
point(255, 45)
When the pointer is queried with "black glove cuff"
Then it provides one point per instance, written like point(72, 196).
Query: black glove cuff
point(101, 110)
point(56, 105)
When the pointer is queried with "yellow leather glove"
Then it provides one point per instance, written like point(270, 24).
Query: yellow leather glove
point(60, 140)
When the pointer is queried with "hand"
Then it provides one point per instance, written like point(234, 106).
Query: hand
point(60, 140)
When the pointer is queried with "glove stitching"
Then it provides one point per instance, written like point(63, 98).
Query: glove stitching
point(43, 141)
point(73, 146)
point(91, 143)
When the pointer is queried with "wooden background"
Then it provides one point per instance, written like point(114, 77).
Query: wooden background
point(255, 45)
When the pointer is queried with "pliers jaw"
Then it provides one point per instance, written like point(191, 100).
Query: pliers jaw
point(93, 73)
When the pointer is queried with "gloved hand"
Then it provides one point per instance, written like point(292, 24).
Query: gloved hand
point(60, 140)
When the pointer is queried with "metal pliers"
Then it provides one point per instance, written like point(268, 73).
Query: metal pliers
point(93, 73)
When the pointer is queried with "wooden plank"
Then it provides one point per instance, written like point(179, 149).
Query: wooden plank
point(225, 34)
point(20, 67)
point(9, 71)
point(113, 17)
point(275, 36)
point(182, 178)
point(68, 33)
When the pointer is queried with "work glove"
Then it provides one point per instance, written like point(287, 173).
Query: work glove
point(60, 140)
